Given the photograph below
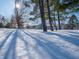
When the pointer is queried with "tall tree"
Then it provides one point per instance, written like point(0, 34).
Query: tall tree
point(56, 4)
point(42, 14)
point(20, 11)
point(49, 15)
point(41, 7)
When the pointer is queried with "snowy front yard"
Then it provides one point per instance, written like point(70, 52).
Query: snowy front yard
point(35, 44)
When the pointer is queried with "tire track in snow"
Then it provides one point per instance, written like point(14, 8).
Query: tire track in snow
point(6, 47)
point(11, 51)
point(4, 40)
point(4, 34)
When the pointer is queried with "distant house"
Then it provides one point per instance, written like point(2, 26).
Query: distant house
point(73, 23)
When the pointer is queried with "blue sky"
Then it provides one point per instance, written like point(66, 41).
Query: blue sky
point(6, 7)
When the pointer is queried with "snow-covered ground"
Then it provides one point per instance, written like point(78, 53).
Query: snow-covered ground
point(35, 44)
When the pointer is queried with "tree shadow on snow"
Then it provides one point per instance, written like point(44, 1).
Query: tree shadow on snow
point(53, 50)
point(74, 32)
point(66, 38)
point(26, 46)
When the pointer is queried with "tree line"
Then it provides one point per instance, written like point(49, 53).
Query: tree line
point(59, 8)
point(53, 10)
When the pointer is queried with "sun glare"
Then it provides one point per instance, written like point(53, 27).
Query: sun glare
point(18, 5)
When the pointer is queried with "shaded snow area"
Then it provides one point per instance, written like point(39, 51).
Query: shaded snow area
point(35, 44)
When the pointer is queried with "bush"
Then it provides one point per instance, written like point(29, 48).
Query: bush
point(1, 25)
point(7, 25)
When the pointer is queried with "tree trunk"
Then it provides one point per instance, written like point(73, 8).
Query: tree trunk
point(49, 15)
point(41, 5)
point(59, 20)
point(54, 18)
point(17, 19)
point(55, 21)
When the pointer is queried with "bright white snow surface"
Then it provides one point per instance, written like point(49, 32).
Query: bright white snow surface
point(35, 44)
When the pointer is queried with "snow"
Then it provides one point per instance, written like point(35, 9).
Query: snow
point(35, 44)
